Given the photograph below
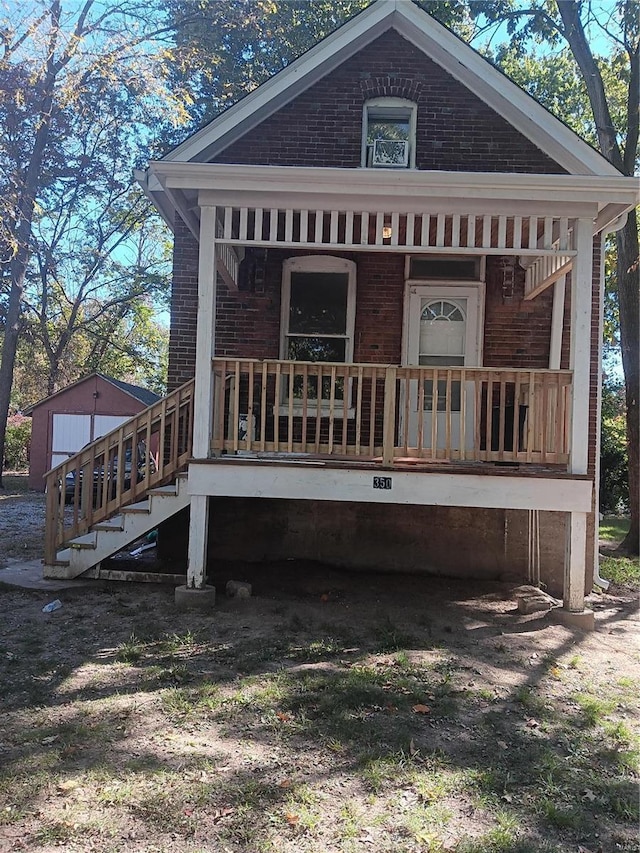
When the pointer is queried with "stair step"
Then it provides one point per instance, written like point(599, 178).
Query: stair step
point(165, 491)
point(86, 541)
point(63, 558)
point(115, 523)
point(142, 506)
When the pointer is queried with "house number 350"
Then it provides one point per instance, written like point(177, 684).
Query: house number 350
point(382, 482)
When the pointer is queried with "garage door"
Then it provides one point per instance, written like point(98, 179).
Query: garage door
point(72, 432)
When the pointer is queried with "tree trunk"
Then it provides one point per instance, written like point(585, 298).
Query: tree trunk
point(629, 305)
point(10, 345)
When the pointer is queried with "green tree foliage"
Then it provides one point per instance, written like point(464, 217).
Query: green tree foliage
point(614, 474)
point(225, 50)
point(16, 451)
point(80, 86)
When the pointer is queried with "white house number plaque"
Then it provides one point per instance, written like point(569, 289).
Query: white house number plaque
point(382, 482)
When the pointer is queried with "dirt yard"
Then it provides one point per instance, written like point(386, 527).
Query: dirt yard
point(330, 712)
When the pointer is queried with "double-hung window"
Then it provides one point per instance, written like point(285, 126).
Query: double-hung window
point(318, 313)
point(389, 134)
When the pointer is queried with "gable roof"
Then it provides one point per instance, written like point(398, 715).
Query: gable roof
point(142, 395)
point(441, 45)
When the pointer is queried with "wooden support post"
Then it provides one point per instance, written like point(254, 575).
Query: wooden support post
point(389, 421)
point(575, 562)
point(198, 537)
point(580, 350)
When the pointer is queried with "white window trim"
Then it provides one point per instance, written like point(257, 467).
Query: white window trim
point(317, 263)
point(412, 109)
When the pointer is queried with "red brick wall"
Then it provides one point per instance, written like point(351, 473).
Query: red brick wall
point(456, 131)
point(516, 333)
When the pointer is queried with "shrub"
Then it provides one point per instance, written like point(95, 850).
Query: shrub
point(18, 438)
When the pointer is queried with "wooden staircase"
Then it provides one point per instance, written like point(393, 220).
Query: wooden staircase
point(118, 488)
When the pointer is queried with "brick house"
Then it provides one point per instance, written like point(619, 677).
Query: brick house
point(386, 317)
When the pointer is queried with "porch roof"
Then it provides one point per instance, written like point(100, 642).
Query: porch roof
point(184, 187)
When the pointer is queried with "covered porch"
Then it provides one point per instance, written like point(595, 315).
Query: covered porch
point(355, 426)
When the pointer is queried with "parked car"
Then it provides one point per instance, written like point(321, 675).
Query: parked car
point(144, 458)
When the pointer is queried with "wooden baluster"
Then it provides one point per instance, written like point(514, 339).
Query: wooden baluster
point(516, 416)
point(545, 415)
point(477, 419)
point(360, 380)
point(434, 413)
point(447, 415)
point(389, 417)
point(250, 407)
point(372, 413)
point(502, 414)
point(305, 404)
point(276, 408)
point(462, 452)
point(290, 408)
point(318, 406)
point(489, 416)
point(263, 406)
point(420, 426)
point(332, 400)
point(531, 415)
point(405, 396)
point(235, 413)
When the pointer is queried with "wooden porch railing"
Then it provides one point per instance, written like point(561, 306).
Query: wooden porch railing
point(390, 413)
point(118, 468)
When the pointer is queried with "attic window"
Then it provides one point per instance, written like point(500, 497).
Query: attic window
point(389, 134)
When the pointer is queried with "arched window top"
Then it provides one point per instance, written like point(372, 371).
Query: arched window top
point(441, 310)
point(389, 133)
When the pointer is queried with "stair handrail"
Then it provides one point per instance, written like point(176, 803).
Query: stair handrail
point(155, 444)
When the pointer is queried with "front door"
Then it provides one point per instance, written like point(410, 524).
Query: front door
point(443, 332)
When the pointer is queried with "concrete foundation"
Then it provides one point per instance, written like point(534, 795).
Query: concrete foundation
point(584, 620)
point(195, 599)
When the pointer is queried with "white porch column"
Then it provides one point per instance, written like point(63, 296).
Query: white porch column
point(203, 393)
point(580, 349)
point(575, 564)
point(580, 364)
point(205, 335)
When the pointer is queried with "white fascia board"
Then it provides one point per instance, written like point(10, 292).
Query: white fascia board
point(287, 84)
point(340, 187)
point(304, 481)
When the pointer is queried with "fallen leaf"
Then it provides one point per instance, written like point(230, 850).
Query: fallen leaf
point(220, 813)
point(532, 724)
point(286, 783)
point(48, 740)
point(284, 718)
point(502, 744)
point(292, 819)
point(421, 709)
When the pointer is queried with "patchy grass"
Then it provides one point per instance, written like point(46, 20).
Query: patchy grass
point(309, 725)
point(623, 571)
point(613, 528)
